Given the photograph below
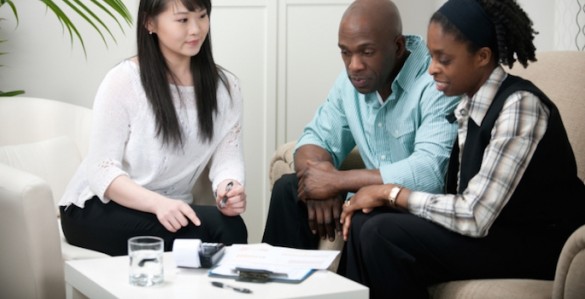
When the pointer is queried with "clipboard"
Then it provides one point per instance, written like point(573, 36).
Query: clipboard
point(266, 263)
point(256, 275)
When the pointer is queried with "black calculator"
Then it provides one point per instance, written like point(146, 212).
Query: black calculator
point(210, 254)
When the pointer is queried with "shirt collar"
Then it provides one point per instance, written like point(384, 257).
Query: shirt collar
point(479, 104)
point(416, 63)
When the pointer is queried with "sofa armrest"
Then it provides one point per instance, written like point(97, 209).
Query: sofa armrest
point(31, 251)
point(282, 162)
point(570, 274)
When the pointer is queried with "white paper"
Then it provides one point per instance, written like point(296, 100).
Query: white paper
point(264, 255)
point(294, 263)
point(186, 252)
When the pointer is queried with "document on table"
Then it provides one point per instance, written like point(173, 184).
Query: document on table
point(286, 264)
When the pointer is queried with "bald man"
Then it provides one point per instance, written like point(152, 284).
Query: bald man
point(386, 104)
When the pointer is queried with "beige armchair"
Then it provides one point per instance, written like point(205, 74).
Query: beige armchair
point(561, 75)
point(42, 143)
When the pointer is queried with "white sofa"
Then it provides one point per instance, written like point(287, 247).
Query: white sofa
point(42, 143)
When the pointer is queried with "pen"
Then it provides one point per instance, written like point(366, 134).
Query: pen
point(224, 200)
point(227, 286)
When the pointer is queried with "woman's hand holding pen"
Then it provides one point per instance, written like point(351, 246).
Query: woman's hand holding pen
point(231, 198)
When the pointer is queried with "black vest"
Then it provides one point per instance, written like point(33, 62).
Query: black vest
point(550, 193)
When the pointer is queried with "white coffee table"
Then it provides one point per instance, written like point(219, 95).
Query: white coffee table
point(105, 278)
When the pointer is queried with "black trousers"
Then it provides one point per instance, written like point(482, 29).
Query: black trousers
point(398, 255)
point(287, 224)
point(107, 227)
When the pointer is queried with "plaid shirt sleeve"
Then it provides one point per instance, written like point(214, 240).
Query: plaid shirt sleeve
point(515, 136)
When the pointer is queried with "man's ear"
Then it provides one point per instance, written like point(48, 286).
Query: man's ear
point(484, 56)
point(400, 42)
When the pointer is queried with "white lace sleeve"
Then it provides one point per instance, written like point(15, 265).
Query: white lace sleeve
point(228, 160)
point(110, 128)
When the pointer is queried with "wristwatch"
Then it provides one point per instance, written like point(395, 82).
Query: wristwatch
point(393, 195)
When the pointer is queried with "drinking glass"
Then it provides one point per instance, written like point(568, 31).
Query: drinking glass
point(146, 260)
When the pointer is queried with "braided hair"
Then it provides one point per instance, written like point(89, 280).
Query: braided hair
point(513, 28)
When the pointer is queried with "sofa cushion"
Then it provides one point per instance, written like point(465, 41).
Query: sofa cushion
point(493, 288)
point(70, 252)
point(54, 160)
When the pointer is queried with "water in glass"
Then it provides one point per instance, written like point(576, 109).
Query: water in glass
point(146, 262)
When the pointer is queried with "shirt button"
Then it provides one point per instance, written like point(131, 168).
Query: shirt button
point(379, 125)
point(463, 112)
point(383, 157)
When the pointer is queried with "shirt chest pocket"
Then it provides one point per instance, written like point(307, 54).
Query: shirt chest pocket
point(404, 134)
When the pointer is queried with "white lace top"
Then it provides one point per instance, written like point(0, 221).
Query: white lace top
point(124, 142)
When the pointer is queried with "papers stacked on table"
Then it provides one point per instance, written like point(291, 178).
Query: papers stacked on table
point(263, 262)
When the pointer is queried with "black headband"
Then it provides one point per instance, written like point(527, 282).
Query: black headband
point(470, 18)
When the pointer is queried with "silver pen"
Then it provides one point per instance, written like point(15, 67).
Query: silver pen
point(224, 200)
point(227, 286)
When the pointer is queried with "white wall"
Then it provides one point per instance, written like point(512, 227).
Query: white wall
point(540, 13)
point(244, 35)
point(569, 25)
point(41, 61)
point(284, 52)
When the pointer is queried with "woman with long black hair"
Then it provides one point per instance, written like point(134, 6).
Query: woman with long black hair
point(159, 118)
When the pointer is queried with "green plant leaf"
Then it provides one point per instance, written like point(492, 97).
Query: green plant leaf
point(11, 93)
point(115, 9)
point(66, 23)
point(88, 19)
point(13, 7)
point(117, 6)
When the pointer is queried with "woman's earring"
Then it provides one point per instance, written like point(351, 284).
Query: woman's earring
point(150, 32)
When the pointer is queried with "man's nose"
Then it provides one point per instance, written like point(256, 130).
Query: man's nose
point(356, 63)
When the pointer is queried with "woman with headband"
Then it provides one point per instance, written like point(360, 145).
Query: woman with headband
point(513, 194)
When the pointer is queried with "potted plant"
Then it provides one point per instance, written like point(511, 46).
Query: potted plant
point(115, 9)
